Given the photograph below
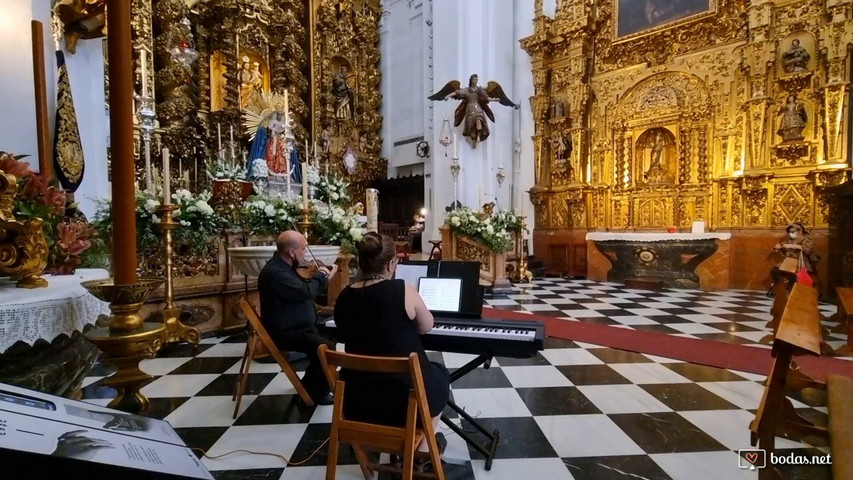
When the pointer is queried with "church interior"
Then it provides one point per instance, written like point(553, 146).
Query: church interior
point(616, 235)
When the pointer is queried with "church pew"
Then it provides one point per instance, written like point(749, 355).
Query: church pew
point(843, 317)
point(798, 334)
point(840, 391)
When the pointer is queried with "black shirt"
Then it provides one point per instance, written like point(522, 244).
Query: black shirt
point(287, 301)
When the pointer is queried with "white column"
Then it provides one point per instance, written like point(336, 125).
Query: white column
point(523, 177)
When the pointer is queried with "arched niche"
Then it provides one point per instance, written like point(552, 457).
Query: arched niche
point(796, 53)
point(656, 155)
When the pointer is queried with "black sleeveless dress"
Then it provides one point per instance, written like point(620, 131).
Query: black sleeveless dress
point(372, 320)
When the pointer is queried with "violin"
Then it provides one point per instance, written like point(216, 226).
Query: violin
point(307, 269)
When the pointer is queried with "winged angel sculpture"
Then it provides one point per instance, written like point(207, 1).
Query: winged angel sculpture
point(474, 107)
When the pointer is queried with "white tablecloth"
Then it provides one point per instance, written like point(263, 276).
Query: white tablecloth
point(45, 313)
point(655, 236)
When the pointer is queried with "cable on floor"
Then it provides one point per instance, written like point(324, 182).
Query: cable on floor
point(282, 457)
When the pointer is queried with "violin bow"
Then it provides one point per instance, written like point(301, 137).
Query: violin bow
point(306, 245)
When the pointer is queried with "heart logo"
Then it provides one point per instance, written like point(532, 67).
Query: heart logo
point(752, 457)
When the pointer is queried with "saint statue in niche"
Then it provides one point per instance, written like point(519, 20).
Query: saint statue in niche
point(251, 81)
point(796, 59)
point(793, 120)
point(658, 143)
point(344, 98)
point(474, 107)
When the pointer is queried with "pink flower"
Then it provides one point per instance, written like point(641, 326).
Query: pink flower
point(36, 185)
point(10, 165)
point(55, 199)
point(72, 238)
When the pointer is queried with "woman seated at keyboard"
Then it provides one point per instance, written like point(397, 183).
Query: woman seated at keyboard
point(378, 315)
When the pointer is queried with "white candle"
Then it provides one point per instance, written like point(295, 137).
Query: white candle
point(232, 133)
point(455, 152)
point(143, 60)
point(219, 138)
point(167, 193)
point(304, 186)
point(286, 108)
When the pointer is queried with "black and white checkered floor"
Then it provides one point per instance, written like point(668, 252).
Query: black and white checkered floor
point(575, 411)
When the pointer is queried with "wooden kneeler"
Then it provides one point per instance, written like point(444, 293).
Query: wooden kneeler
point(259, 345)
point(798, 333)
point(362, 436)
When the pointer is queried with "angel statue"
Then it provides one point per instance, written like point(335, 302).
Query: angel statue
point(475, 106)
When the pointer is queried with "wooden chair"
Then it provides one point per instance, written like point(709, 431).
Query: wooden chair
point(362, 436)
point(435, 252)
point(259, 345)
point(798, 333)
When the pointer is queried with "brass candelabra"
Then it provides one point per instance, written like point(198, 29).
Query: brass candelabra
point(522, 273)
point(305, 222)
point(175, 330)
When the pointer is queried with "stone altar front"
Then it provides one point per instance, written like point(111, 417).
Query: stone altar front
point(679, 260)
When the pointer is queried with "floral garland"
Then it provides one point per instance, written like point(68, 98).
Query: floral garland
point(266, 215)
point(492, 230)
point(335, 226)
point(330, 189)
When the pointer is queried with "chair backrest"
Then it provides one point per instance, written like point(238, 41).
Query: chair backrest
point(332, 359)
point(257, 328)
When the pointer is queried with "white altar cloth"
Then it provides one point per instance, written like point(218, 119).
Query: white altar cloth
point(655, 236)
point(62, 307)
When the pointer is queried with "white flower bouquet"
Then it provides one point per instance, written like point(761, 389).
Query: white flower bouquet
point(269, 215)
point(492, 230)
point(330, 190)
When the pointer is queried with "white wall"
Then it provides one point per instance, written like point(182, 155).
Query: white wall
point(18, 119)
point(466, 37)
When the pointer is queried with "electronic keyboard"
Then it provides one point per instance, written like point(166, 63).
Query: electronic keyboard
point(487, 336)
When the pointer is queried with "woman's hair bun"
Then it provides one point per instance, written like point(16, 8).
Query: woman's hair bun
point(370, 245)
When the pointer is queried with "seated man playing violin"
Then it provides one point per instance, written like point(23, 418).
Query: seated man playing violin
point(287, 292)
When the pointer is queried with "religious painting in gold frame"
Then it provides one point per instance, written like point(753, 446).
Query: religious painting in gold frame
point(635, 18)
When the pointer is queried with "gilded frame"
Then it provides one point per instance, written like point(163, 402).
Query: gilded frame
point(710, 11)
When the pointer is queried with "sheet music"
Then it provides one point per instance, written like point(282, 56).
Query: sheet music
point(441, 294)
point(411, 274)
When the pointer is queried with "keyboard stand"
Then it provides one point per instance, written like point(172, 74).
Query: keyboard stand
point(488, 450)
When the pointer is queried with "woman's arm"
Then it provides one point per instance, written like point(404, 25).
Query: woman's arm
point(417, 310)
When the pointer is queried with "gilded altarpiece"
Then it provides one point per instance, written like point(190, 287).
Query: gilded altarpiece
point(346, 100)
point(735, 116)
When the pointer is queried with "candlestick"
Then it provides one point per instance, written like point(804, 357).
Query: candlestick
point(143, 60)
point(304, 185)
point(167, 193)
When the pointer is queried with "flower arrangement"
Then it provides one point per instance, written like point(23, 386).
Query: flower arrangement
point(200, 224)
point(260, 169)
point(330, 190)
point(266, 215)
point(67, 238)
point(492, 230)
point(335, 226)
point(222, 169)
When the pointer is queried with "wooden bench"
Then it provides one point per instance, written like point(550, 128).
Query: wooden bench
point(780, 299)
point(840, 392)
point(843, 316)
point(798, 333)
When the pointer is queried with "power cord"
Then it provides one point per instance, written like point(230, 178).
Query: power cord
point(282, 457)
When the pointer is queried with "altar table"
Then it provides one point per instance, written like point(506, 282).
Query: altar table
point(62, 307)
point(679, 260)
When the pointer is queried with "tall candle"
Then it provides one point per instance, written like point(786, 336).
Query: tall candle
point(219, 138)
point(167, 194)
point(286, 108)
point(143, 60)
point(304, 186)
point(455, 152)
